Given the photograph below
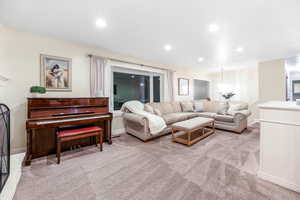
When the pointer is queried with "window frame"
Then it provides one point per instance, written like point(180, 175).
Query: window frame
point(134, 71)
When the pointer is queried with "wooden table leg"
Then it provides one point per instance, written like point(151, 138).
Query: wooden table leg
point(28, 155)
point(173, 139)
point(101, 140)
point(58, 150)
point(108, 131)
point(189, 138)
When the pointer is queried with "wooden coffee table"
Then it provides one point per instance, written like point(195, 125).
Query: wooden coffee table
point(190, 131)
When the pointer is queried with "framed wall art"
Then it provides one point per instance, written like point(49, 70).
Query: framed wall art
point(56, 73)
point(183, 87)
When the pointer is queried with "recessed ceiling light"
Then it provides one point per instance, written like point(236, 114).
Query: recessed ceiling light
point(239, 49)
point(101, 23)
point(200, 59)
point(213, 28)
point(168, 47)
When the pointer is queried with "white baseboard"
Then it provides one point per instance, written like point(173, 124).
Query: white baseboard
point(18, 150)
point(278, 181)
point(118, 132)
point(254, 122)
point(10, 187)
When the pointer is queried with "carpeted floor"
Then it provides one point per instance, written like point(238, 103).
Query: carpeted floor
point(222, 166)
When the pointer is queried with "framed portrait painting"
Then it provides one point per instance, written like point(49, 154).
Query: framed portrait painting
point(183, 87)
point(56, 73)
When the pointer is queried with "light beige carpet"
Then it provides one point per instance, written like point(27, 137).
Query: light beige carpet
point(222, 166)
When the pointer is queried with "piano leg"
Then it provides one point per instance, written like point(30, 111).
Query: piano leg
point(108, 131)
point(28, 155)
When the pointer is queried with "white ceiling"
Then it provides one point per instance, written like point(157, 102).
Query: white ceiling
point(266, 29)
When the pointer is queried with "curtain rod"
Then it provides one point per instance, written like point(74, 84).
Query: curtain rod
point(128, 62)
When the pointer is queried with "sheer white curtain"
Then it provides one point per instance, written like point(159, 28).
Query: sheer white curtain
point(100, 77)
point(170, 85)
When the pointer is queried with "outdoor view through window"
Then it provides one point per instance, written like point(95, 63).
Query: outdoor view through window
point(128, 87)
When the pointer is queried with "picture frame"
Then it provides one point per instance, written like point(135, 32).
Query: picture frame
point(183, 87)
point(296, 87)
point(56, 73)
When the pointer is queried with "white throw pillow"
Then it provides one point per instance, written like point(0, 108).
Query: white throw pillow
point(198, 106)
point(132, 106)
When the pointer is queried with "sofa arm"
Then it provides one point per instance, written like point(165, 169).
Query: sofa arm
point(135, 118)
point(240, 115)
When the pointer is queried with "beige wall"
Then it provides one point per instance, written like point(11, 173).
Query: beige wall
point(264, 82)
point(272, 80)
point(188, 75)
point(243, 82)
point(19, 61)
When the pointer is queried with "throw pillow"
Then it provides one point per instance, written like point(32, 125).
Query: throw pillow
point(198, 106)
point(187, 106)
point(223, 108)
point(157, 112)
point(237, 107)
point(149, 109)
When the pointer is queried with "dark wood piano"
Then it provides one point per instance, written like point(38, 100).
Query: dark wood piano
point(47, 114)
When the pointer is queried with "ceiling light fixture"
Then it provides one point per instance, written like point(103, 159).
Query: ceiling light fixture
point(168, 47)
point(213, 28)
point(240, 49)
point(200, 59)
point(101, 23)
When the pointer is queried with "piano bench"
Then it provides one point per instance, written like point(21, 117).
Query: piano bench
point(75, 134)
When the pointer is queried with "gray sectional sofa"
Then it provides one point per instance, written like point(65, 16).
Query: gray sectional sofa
point(230, 116)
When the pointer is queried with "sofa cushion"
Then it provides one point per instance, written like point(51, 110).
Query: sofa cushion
point(174, 117)
point(198, 106)
point(149, 108)
point(187, 106)
point(157, 112)
point(166, 107)
point(207, 114)
point(224, 118)
point(223, 108)
point(235, 106)
point(211, 106)
point(245, 113)
point(190, 115)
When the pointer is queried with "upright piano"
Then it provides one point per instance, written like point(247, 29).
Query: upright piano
point(45, 115)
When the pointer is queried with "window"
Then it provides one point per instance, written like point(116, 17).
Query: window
point(156, 88)
point(135, 85)
point(292, 66)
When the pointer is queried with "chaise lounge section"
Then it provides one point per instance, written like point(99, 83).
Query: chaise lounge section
point(230, 116)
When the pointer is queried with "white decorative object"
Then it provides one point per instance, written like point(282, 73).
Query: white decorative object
point(279, 144)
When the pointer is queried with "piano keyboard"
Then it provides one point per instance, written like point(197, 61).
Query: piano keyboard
point(69, 120)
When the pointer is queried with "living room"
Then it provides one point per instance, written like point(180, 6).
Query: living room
point(180, 98)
